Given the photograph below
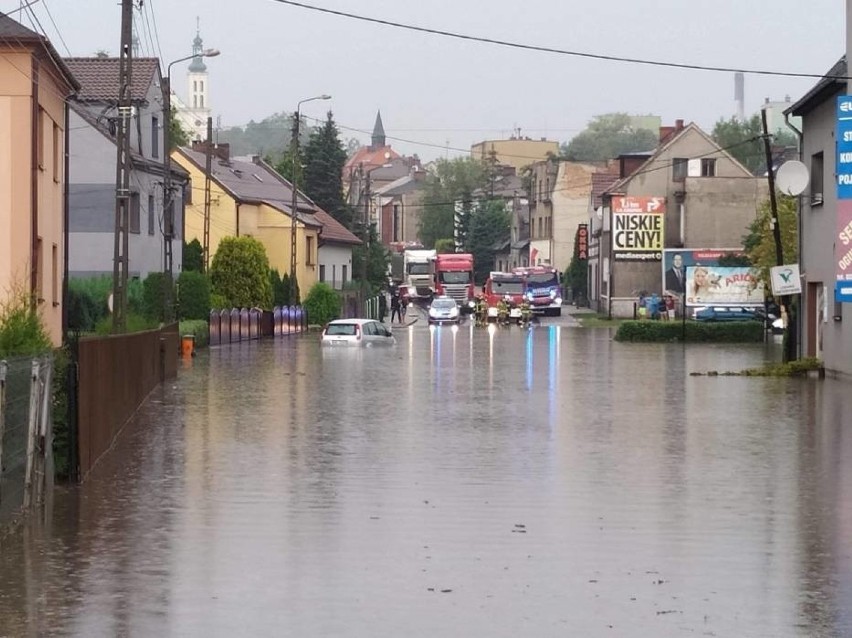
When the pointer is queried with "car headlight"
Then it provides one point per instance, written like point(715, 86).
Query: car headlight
point(432, 312)
point(454, 312)
point(471, 304)
point(529, 296)
point(553, 294)
point(558, 301)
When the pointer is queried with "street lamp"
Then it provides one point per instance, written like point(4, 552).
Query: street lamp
point(168, 216)
point(295, 189)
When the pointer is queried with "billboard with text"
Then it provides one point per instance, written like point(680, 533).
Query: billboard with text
point(638, 228)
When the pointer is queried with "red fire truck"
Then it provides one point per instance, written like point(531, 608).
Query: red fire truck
point(504, 285)
point(454, 278)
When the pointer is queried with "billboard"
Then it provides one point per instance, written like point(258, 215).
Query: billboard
point(638, 228)
point(843, 162)
point(722, 286)
point(677, 260)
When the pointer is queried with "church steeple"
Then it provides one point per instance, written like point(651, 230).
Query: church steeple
point(197, 65)
point(378, 132)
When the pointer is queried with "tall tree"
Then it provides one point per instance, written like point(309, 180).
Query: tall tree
point(743, 140)
point(759, 243)
point(489, 227)
point(178, 135)
point(378, 259)
point(323, 161)
point(448, 189)
point(608, 136)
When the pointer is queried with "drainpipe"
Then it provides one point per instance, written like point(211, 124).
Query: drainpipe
point(237, 204)
point(34, 169)
point(66, 225)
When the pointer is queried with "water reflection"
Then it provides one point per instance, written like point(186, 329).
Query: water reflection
point(554, 482)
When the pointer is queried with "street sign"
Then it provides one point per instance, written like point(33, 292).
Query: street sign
point(785, 280)
point(844, 147)
point(843, 291)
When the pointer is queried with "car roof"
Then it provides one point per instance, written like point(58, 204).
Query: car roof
point(353, 320)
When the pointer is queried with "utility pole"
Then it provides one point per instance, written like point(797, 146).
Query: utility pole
point(790, 342)
point(122, 172)
point(208, 169)
point(294, 204)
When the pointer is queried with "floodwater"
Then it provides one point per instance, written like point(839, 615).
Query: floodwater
point(512, 483)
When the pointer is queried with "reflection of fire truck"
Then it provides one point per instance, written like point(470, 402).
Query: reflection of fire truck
point(542, 289)
point(454, 278)
point(503, 285)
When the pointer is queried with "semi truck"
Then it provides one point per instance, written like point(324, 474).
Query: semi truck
point(454, 278)
point(419, 266)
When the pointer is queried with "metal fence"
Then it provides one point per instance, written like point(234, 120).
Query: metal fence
point(26, 434)
point(247, 324)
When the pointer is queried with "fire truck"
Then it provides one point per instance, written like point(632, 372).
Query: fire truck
point(504, 285)
point(454, 278)
point(542, 289)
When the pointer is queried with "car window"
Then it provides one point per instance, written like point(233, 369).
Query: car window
point(443, 303)
point(347, 329)
point(370, 328)
point(383, 330)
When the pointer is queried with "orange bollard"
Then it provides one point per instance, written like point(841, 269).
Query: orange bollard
point(187, 346)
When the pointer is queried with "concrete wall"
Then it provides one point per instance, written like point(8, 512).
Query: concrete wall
point(332, 259)
point(822, 335)
point(570, 208)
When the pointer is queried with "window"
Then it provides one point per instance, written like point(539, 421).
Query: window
point(322, 273)
point(334, 275)
point(679, 168)
point(708, 167)
point(397, 226)
point(39, 272)
point(151, 215)
point(201, 85)
point(817, 179)
point(194, 86)
point(54, 272)
point(40, 138)
point(344, 275)
point(201, 101)
point(133, 222)
point(309, 251)
point(57, 152)
point(195, 101)
point(187, 192)
point(155, 136)
point(540, 234)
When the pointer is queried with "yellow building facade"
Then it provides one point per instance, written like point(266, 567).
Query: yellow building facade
point(247, 199)
point(516, 151)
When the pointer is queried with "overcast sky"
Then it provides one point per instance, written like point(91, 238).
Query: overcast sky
point(439, 91)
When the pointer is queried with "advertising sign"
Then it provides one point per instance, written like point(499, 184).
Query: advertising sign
point(785, 280)
point(582, 241)
point(722, 286)
point(843, 164)
point(844, 147)
point(677, 260)
point(638, 225)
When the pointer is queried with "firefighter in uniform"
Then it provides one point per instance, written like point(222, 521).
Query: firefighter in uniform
point(526, 312)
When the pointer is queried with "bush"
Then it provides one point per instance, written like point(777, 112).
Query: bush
point(59, 398)
point(194, 291)
point(154, 290)
point(240, 273)
point(83, 311)
point(135, 323)
point(21, 329)
point(696, 331)
point(197, 328)
point(193, 256)
point(322, 304)
point(218, 302)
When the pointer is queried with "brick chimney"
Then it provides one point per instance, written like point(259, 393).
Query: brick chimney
point(220, 151)
point(668, 132)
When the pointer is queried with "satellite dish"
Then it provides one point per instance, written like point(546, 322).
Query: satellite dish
point(792, 178)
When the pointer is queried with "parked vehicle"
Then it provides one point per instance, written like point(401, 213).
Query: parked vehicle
point(542, 288)
point(419, 272)
point(728, 313)
point(357, 332)
point(444, 310)
point(454, 278)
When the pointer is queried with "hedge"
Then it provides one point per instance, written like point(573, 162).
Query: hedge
point(695, 331)
point(199, 329)
point(194, 295)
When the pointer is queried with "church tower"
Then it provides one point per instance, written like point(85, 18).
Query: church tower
point(198, 89)
point(378, 140)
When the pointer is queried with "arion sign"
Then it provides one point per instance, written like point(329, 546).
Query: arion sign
point(638, 228)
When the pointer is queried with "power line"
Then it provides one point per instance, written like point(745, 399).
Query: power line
point(56, 28)
point(23, 6)
point(543, 49)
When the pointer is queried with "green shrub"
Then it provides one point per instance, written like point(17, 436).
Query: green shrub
point(194, 291)
point(154, 290)
point(695, 331)
point(21, 329)
point(193, 256)
point(197, 328)
point(83, 311)
point(218, 302)
point(322, 304)
point(240, 273)
point(135, 323)
point(59, 398)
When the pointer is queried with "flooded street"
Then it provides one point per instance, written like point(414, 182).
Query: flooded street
point(511, 483)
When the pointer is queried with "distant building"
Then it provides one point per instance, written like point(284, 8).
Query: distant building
point(775, 116)
point(515, 151)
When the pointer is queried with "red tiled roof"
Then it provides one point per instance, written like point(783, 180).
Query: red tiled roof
point(369, 156)
point(601, 182)
point(333, 230)
point(98, 77)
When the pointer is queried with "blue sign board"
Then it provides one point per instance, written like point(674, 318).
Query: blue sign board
point(844, 147)
point(843, 291)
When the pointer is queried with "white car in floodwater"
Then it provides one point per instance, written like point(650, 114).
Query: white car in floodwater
point(357, 332)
